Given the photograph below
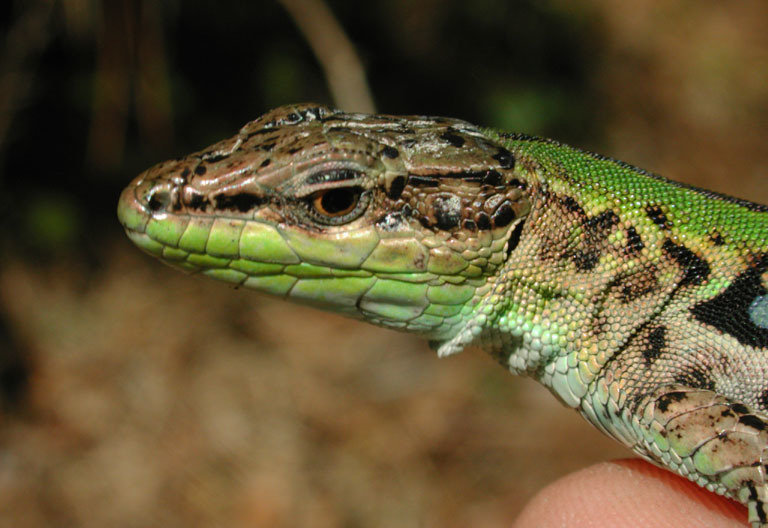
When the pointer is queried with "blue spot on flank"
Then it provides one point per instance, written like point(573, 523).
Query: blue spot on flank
point(758, 311)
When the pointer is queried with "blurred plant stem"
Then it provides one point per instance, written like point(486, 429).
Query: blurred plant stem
point(23, 43)
point(343, 69)
point(131, 62)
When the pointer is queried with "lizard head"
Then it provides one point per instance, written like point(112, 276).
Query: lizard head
point(401, 221)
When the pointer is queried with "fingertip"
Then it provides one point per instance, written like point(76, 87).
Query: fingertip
point(629, 493)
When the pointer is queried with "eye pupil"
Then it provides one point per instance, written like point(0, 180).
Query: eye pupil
point(336, 206)
point(336, 202)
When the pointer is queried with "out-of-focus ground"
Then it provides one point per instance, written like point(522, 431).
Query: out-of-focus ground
point(142, 397)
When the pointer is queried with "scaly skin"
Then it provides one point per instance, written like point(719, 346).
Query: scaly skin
point(640, 302)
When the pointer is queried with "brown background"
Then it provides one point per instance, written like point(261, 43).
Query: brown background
point(136, 396)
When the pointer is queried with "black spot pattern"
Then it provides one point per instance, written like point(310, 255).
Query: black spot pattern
point(752, 421)
point(729, 311)
point(483, 221)
point(663, 403)
point(390, 152)
point(422, 181)
point(492, 178)
point(762, 400)
point(503, 215)
point(695, 269)
point(656, 342)
point(634, 241)
point(656, 214)
point(696, 379)
point(446, 214)
point(396, 187)
point(454, 139)
point(242, 202)
point(505, 158)
point(514, 237)
point(717, 238)
point(596, 229)
point(197, 202)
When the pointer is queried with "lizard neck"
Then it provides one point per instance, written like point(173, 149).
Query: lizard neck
point(577, 285)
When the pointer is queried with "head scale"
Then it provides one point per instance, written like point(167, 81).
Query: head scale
point(401, 221)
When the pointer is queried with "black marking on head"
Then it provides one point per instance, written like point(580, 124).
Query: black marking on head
point(514, 237)
point(729, 311)
point(294, 150)
point(302, 114)
point(185, 173)
point(695, 269)
point(422, 181)
point(454, 139)
point(342, 129)
point(503, 214)
point(492, 178)
point(514, 182)
point(197, 202)
point(752, 421)
point(200, 170)
point(390, 152)
point(483, 221)
point(469, 225)
point(447, 212)
point(488, 177)
point(396, 187)
point(242, 202)
point(762, 400)
point(634, 241)
point(390, 221)
point(267, 147)
point(657, 216)
point(505, 158)
point(159, 200)
point(265, 163)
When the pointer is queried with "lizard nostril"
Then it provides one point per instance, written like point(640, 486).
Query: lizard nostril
point(159, 200)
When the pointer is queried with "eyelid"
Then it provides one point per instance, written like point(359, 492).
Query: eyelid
point(308, 188)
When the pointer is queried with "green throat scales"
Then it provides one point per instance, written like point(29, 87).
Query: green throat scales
point(641, 302)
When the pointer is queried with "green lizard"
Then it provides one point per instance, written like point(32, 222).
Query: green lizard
point(638, 301)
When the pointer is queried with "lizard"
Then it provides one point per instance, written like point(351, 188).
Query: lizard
point(639, 301)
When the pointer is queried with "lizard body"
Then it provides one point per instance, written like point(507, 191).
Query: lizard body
point(638, 301)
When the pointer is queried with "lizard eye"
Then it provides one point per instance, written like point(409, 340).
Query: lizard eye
point(338, 205)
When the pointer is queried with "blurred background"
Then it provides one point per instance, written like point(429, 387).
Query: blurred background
point(133, 396)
